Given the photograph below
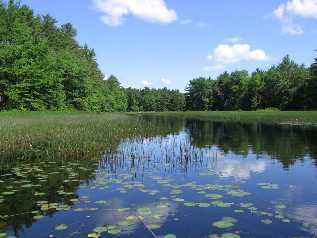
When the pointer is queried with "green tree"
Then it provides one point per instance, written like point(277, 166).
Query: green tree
point(199, 94)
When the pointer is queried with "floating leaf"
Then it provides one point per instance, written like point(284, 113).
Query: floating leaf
point(239, 211)
point(61, 227)
point(266, 221)
point(246, 205)
point(179, 200)
point(100, 229)
point(238, 193)
point(226, 222)
point(280, 206)
point(112, 230)
point(202, 204)
point(102, 202)
point(214, 196)
point(153, 226)
point(230, 235)
point(93, 235)
point(170, 236)
point(268, 186)
point(144, 211)
point(221, 204)
point(38, 217)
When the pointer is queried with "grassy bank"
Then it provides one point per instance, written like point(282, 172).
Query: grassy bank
point(61, 135)
point(68, 135)
point(279, 117)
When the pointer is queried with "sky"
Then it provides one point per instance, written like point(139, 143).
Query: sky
point(167, 43)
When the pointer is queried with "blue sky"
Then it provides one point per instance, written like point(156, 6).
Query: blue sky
point(169, 42)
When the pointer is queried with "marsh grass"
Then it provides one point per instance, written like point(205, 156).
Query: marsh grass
point(262, 116)
point(52, 135)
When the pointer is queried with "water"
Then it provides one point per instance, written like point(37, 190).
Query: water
point(200, 179)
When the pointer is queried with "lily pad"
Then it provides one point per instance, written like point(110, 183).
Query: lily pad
point(266, 221)
point(221, 204)
point(100, 229)
point(61, 227)
point(230, 235)
point(238, 193)
point(170, 236)
point(214, 196)
point(179, 200)
point(93, 235)
point(226, 222)
point(153, 226)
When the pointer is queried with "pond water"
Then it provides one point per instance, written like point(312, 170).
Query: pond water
point(202, 179)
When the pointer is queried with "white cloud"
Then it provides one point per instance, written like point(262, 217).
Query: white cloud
point(234, 53)
point(306, 214)
point(227, 168)
point(147, 83)
point(301, 8)
point(148, 10)
point(295, 8)
point(166, 82)
point(214, 68)
point(292, 29)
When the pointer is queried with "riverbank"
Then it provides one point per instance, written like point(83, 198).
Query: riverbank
point(276, 117)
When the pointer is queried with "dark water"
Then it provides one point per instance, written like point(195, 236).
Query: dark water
point(204, 179)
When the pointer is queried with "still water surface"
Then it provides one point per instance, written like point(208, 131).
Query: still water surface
point(203, 179)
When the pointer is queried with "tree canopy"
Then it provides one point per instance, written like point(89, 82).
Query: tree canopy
point(286, 86)
point(43, 67)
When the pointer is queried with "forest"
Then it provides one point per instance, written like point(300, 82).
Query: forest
point(43, 67)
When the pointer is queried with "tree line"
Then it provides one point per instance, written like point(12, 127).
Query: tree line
point(286, 86)
point(43, 67)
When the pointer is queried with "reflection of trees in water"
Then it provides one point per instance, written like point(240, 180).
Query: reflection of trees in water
point(173, 154)
point(179, 145)
point(48, 180)
point(282, 142)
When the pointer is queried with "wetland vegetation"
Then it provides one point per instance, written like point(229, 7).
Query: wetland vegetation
point(153, 175)
point(82, 156)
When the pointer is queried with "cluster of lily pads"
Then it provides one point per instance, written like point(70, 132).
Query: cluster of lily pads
point(166, 194)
